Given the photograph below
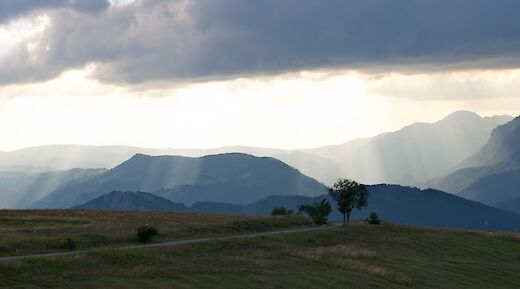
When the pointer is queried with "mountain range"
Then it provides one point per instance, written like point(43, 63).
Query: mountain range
point(415, 153)
point(477, 158)
point(492, 176)
point(412, 155)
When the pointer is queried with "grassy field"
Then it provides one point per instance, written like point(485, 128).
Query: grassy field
point(40, 231)
point(362, 256)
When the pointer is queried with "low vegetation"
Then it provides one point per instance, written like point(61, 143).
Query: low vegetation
point(373, 219)
point(362, 256)
point(68, 244)
point(281, 211)
point(318, 212)
point(145, 233)
point(41, 231)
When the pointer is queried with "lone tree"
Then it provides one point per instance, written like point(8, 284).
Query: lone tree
point(348, 195)
point(318, 212)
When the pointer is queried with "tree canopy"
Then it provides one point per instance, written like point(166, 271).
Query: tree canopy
point(348, 195)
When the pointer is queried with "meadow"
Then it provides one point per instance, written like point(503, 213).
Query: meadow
point(41, 231)
point(360, 256)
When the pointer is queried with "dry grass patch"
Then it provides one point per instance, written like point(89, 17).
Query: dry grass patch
point(339, 250)
point(256, 258)
point(353, 258)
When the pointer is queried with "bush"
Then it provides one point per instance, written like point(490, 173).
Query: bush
point(374, 219)
point(318, 212)
point(281, 211)
point(145, 233)
point(68, 244)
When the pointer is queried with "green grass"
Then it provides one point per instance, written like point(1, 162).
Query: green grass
point(40, 231)
point(362, 256)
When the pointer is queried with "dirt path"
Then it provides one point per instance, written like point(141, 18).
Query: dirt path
point(164, 244)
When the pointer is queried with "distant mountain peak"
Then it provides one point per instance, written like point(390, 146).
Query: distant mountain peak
point(461, 114)
point(140, 156)
point(464, 117)
point(415, 153)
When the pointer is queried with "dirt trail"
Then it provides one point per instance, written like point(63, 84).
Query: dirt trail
point(164, 244)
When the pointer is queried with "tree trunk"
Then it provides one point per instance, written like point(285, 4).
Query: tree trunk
point(344, 219)
point(348, 219)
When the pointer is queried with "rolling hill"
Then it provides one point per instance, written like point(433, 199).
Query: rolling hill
point(403, 205)
point(362, 256)
point(228, 178)
point(139, 201)
point(412, 206)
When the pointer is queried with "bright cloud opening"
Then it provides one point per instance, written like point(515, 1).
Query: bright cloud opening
point(293, 110)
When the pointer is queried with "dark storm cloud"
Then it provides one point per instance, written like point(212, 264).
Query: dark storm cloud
point(15, 8)
point(159, 39)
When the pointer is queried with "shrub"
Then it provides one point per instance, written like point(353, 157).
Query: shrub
point(68, 244)
point(318, 212)
point(281, 211)
point(374, 219)
point(145, 233)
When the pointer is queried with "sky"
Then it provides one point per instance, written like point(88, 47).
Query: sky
point(285, 74)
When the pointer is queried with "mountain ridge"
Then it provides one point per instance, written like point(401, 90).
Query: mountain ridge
point(493, 174)
point(415, 153)
point(325, 164)
point(234, 177)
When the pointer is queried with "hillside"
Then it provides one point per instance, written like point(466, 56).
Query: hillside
point(411, 206)
point(403, 205)
point(109, 228)
point(228, 178)
point(361, 256)
point(512, 205)
point(131, 201)
point(492, 175)
point(416, 153)
point(20, 188)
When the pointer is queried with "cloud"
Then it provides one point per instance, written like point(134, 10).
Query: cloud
point(177, 40)
point(463, 85)
point(15, 8)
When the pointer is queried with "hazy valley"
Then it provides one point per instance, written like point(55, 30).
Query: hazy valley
point(463, 147)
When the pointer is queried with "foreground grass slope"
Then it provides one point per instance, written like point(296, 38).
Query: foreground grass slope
point(40, 231)
point(362, 256)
